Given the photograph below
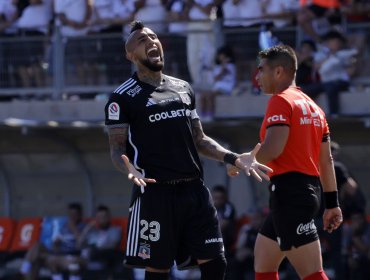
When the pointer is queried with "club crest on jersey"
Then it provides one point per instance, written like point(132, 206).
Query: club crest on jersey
point(144, 251)
point(113, 111)
point(134, 91)
point(185, 98)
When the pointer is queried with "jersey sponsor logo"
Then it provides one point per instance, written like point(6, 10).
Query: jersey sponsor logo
point(307, 120)
point(113, 111)
point(310, 111)
point(134, 91)
point(144, 251)
point(213, 240)
point(185, 98)
point(276, 118)
point(169, 115)
point(306, 228)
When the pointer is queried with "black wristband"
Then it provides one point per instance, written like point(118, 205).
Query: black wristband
point(331, 199)
point(230, 158)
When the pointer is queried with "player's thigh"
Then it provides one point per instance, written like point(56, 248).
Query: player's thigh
point(267, 254)
point(306, 259)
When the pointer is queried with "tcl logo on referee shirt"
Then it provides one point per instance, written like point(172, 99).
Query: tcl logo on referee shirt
point(276, 118)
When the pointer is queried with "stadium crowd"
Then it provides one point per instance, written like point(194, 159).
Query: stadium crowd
point(327, 62)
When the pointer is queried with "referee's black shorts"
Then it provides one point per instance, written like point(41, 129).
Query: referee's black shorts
point(173, 222)
point(294, 203)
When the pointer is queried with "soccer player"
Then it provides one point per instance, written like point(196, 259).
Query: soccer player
point(154, 127)
point(296, 145)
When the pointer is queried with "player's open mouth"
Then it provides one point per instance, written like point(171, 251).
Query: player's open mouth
point(154, 54)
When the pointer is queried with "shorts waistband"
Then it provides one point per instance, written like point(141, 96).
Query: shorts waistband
point(179, 181)
point(292, 176)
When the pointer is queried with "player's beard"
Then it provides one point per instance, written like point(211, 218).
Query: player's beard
point(156, 67)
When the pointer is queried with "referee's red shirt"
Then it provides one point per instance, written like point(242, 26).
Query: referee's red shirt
point(308, 128)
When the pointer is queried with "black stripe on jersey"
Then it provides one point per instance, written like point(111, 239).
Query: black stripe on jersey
point(278, 124)
point(326, 137)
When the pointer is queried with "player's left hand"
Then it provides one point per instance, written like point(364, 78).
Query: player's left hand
point(332, 219)
point(248, 163)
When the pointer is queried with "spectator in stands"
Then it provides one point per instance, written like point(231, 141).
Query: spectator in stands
point(242, 13)
point(34, 22)
point(223, 81)
point(313, 16)
point(357, 247)
point(279, 12)
point(8, 15)
point(243, 265)
point(64, 256)
point(110, 16)
point(200, 43)
point(351, 197)
point(73, 18)
point(153, 13)
point(352, 201)
point(226, 216)
point(100, 242)
point(335, 63)
point(178, 12)
point(306, 72)
point(357, 11)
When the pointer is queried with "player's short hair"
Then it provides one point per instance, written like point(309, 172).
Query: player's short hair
point(334, 35)
point(75, 206)
point(280, 55)
point(102, 208)
point(220, 189)
point(136, 25)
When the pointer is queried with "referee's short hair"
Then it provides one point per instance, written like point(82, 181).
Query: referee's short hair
point(281, 55)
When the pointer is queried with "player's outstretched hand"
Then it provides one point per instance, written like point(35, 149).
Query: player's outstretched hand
point(248, 163)
point(332, 219)
point(135, 175)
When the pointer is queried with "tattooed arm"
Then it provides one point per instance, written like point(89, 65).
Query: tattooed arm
point(117, 143)
point(206, 145)
point(211, 149)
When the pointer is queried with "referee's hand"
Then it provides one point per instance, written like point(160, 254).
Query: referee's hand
point(332, 219)
point(248, 163)
point(135, 175)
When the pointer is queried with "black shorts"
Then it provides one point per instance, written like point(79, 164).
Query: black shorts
point(294, 203)
point(173, 222)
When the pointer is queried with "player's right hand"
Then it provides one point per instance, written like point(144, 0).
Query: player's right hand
point(135, 175)
point(248, 163)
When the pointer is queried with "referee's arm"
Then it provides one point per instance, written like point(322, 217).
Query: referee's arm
point(206, 145)
point(117, 141)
